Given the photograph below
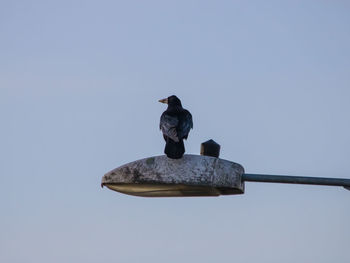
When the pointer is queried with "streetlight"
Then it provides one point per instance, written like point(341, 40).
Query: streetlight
point(195, 175)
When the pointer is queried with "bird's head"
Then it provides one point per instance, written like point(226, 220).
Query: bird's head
point(171, 101)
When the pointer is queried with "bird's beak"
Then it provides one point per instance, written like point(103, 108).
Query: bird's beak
point(164, 101)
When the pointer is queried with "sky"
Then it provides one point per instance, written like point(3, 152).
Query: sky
point(79, 88)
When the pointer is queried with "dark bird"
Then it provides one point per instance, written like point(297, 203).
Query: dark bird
point(175, 124)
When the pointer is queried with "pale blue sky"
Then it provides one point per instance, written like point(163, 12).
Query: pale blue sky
point(79, 84)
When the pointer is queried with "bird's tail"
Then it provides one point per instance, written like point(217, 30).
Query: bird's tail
point(174, 150)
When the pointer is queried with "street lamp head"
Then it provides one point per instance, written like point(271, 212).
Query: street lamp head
point(192, 175)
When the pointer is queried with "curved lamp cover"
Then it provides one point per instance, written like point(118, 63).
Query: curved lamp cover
point(192, 175)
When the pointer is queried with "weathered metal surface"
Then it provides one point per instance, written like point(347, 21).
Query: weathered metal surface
point(192, 175)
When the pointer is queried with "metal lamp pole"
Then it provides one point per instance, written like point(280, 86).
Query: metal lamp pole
point(284, 179)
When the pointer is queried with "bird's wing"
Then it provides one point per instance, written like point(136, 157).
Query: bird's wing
point(168, 126)
point(186, 125)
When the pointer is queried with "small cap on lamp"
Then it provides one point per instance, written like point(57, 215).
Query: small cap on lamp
point(210, 148)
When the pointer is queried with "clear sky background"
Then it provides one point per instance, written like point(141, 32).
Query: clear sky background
point(79, 84)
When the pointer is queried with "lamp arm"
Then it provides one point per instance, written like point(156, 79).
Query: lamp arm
point(287, 179)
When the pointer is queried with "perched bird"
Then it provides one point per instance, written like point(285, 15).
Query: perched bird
point(175, 124)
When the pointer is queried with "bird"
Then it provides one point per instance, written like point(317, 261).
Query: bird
point(175, 124)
